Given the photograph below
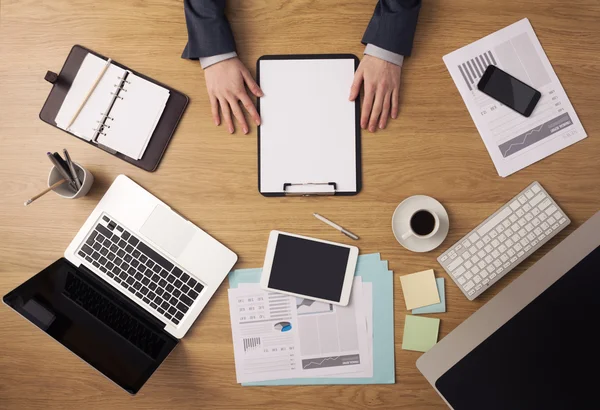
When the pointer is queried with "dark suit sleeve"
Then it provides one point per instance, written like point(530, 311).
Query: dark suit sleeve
point(209, 32)
point(393, 25)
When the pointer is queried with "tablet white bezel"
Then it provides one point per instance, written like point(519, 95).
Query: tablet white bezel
point(348, 276)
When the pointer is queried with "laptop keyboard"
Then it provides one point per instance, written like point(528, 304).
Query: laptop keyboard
point(140, 270)
point(113, 316)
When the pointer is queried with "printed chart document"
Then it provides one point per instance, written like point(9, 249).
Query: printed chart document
point(276, 336)
point(514, 141)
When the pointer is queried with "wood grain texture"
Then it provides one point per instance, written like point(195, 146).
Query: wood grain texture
point(211, 177)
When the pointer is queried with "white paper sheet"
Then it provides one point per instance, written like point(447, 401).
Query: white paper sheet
point(322, 341)
point(308, 128)
point(133, 118)
point(514, 141)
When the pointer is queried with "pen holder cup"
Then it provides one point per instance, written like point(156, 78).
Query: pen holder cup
point(64, 190)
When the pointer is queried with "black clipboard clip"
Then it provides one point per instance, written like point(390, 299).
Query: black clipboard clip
point(310, 189)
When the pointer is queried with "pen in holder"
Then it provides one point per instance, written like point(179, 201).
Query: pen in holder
point(63, 190)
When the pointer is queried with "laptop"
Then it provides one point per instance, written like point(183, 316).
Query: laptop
point(130, 285)
point(532, 346)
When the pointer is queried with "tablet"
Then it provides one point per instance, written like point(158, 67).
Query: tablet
point(309, 268)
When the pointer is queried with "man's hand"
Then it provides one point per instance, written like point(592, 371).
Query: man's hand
point(382, 86)
point(225, 84)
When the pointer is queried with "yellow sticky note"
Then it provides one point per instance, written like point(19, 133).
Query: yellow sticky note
point(419, 289)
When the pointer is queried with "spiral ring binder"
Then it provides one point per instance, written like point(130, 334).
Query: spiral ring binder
point(106, 116)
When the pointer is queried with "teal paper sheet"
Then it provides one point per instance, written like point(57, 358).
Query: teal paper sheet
point(372, 269)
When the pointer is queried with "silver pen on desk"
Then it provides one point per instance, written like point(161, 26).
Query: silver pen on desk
point(336, 226)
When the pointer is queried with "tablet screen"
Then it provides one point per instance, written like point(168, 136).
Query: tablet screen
point(309, 268)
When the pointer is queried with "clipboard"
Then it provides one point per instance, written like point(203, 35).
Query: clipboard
point(298, 160)
point(173, 111)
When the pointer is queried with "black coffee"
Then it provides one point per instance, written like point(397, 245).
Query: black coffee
point(422, 222)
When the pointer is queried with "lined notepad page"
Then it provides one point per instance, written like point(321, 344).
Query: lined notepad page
point(308, 125)
point(133, 117)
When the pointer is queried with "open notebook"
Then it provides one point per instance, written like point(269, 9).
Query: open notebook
point(121, 113)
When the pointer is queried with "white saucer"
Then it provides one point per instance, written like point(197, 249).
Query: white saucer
point(400, 223)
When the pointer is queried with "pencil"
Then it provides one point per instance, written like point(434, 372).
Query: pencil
point(89, 93)
point(45, 191)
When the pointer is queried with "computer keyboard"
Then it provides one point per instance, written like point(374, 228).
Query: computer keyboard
point(137, 268)
point(113, 316)
point(504, 240)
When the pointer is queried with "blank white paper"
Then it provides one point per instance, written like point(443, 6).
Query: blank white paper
point(308, 125)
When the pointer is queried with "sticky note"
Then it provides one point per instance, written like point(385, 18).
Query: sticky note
point(420, 333)
point(436, 307)
point(419, 289)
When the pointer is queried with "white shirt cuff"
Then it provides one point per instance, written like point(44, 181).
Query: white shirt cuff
point(384, 54)
point(206, 62)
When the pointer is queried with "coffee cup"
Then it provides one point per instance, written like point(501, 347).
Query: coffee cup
point(423, 224)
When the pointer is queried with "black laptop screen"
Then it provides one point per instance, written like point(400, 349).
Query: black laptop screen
point(94, 322)
point(545, 357)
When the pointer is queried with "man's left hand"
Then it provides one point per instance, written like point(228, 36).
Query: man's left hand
point(382, 85)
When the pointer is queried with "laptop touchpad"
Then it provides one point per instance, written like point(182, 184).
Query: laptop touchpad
point(168, 230)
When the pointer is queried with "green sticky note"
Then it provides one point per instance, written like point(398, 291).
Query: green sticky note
point(420, 333)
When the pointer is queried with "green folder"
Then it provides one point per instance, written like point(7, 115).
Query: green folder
point(372, 269)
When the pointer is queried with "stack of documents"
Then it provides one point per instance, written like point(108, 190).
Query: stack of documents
point(127, 105)
point(284, 340)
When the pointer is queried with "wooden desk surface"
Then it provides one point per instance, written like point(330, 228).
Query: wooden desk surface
point(210, 176)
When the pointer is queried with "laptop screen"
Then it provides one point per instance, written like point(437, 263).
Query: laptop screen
point(95, 322)
point(545, 357)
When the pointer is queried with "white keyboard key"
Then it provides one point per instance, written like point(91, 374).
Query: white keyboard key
point(443, 258)
point(504, 258)
point(486, 239)
point(529, 227)
point(522, 199)
point(489, 259)
point(468, 264)
point(562, 220)
point(484, 273)
point(488, 248)
point(509, 232)
point(490, 268)
point(474, 237)
point(557, 215)
point(548, 232)
point(468, 275)
point(495, 243)
point(458, 272)
point(527, 248)
point(497, 263)
point(506, 223)
point(493, 234)
point(538, 231)
point(475, 259)
point(455, 263)
point(481, 264)
point(521, 253)
point(500, 216)
point(536, 222)
point(536, 188)
point(529, 217)
point(499, 271)
point(471, 292)
point(513, 259)
point(469, 285)
point(466, 244)
point(534, 242)
point(524, 242)
point(506, 265)
point(522, 232)
point(554, 226)
point(511, 252)
point(542, 236)
point(472, 249)
point(550, 210)
point(522, 222)
point(475, 270)
point(502, 238)
point(509, 243)
point(551, 220)
point(527, 207)
point(477, 278)
point(520, 213)
point(462, 280)
point(515, 227)
point(466, 255)
point(544, 204)
point(515, 205)
point(480, 244)
point(481, 254)
point(452, 255)
point(529, 194)
point(478, 286)
point(458, 247)
point(518, 247)
point(486, 281)
point(500, 228)
point(515, 237)
point(502, 248)
point(535, 211)
point(513, 218)
point(531, 236)
point(542, 216)
point(492, 276)
point(495, 253)
point(538, 198)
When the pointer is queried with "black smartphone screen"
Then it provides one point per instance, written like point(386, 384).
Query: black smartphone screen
point(506, 89)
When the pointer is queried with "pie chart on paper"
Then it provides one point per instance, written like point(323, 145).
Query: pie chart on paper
point(283, 326)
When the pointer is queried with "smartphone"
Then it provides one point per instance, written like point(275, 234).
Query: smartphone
point(506, 89)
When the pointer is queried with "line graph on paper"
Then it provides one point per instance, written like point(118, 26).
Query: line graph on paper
point(331, 361)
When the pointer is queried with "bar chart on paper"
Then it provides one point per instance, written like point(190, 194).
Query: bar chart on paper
point(515, 141)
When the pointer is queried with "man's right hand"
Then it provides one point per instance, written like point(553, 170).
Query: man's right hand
point(225, 82)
